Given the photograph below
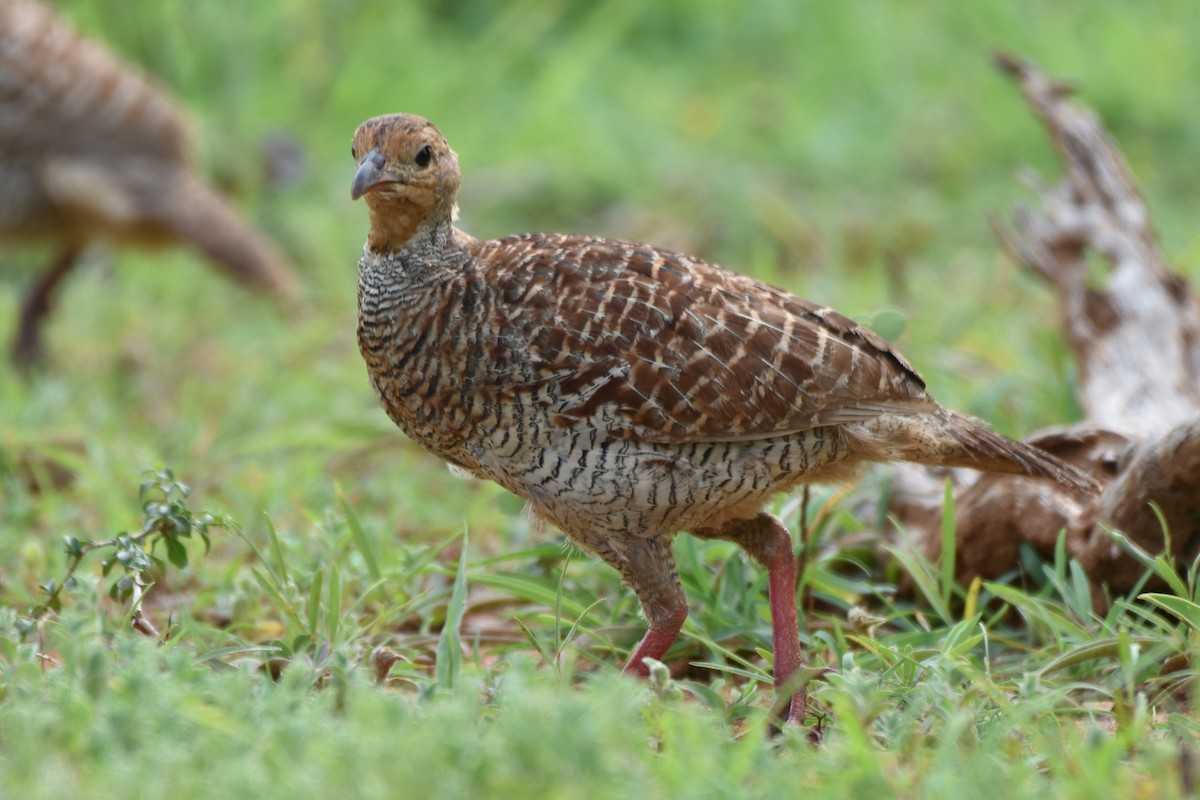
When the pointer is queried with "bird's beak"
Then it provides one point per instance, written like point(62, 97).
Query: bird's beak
point(369, 174)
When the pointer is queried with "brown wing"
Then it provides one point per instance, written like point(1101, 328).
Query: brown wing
point(655, 345)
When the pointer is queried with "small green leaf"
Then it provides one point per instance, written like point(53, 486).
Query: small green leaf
point(660, 675)
point(176, 552)
point(704, 693)
point(300, 644)
point(889, 323)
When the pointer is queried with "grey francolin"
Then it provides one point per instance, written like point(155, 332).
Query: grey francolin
point(90, 149)
point(626, 392)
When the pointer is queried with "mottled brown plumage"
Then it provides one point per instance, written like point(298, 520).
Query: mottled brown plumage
point(628, 392)
point(90, 149)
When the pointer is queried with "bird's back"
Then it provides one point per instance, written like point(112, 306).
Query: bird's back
point(62, 94)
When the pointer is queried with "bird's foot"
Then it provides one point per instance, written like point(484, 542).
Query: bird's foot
point(791, 703)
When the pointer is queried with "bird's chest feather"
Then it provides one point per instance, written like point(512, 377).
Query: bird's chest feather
point(414, 345)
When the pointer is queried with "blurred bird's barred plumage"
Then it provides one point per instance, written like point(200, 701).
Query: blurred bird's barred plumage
point(628, 392)
point(90, 149)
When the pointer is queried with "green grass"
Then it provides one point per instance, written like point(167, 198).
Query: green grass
point(848, 153)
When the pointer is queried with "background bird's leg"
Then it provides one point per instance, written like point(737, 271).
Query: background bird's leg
point(767, 541)
point(648, 567)
point(27, 344)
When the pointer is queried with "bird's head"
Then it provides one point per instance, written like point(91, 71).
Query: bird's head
point(408, 175)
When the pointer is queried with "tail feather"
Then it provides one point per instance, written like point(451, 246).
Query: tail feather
point(983, 449)
point(194, 213)
point(943, 438)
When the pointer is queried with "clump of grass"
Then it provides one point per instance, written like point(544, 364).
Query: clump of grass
point(937, 705)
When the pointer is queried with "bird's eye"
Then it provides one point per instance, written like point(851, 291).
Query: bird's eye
point(424, 156)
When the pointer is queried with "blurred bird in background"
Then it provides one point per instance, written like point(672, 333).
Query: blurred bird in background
point(91, 150)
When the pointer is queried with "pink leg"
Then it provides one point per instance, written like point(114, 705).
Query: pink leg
point(768, 542)
point(648, 567)
point(657, 641)
point(785, 626)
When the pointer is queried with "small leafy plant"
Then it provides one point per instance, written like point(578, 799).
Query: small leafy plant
point(166, 520)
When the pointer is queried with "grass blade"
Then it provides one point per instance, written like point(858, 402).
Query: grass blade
point(924, 579)
point(1159, 565)
point(277, 555)
point(1108, 649)
point(283, 605)
point(972, 602)
point(1179, 607)
point(566, 640)
point(333, 610)
point(949, 545)
point(1051, 618)
point(221, 653)
point(449, 648)
point(547, 657)
point(258, 553)
point(360, 537)
point(558, 597)
point(314, 602)
point(530, 589)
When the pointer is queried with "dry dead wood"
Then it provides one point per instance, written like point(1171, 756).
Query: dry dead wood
point(1135, 336)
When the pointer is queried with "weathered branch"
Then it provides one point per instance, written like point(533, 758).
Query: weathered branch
point(1136, 339)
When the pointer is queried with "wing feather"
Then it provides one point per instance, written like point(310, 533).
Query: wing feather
point(658, 346)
